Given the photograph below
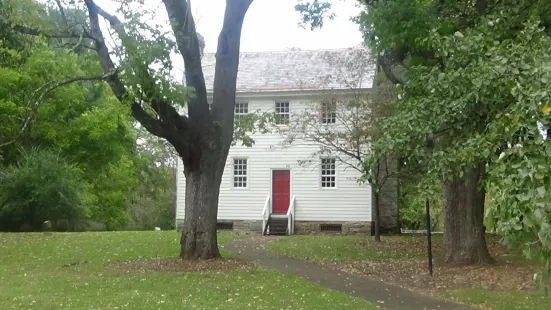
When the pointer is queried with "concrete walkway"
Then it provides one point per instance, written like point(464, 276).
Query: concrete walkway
point(379, 293)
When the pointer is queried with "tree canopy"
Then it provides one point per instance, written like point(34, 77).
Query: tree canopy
point(50, 101)
point(474, 78)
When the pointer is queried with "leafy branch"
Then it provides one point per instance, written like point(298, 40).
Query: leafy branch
point(41, 93)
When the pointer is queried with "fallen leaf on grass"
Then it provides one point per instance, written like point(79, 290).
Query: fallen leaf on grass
point(175, 264)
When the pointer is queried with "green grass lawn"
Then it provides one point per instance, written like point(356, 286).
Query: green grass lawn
point(334, 248)
point(32, 276)
point(501, 300)
point(346, 251)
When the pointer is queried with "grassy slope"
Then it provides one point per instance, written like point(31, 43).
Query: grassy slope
point(32, 277)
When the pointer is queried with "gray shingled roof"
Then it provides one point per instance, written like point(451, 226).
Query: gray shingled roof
point(345, 68)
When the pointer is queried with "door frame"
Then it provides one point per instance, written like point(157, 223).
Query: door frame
point(272, 185)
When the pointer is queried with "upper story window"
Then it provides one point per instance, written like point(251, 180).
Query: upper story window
point(241, 109)
point(240, 172)
point(282, 112)
point(328, 172)
point(329, 112)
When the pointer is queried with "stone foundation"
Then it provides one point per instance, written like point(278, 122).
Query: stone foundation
point(301, 227)
point(348, 228)
point(247, 226)
point(238, 226)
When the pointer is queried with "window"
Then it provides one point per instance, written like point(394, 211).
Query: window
point(282, 113)
point(328, 173)
point(328, 112)
point(241, 109)
point(239, 172)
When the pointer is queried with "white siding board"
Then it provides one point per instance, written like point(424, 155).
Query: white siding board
point(348, 202)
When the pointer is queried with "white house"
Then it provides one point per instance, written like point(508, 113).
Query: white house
point(264, 187)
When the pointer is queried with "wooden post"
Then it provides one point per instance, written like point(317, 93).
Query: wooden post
point(429, 235)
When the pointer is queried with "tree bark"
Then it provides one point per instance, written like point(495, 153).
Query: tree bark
point(199, 239)
point(464, 235)
point(377, 221)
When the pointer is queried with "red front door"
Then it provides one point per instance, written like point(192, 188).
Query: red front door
point(281, 191)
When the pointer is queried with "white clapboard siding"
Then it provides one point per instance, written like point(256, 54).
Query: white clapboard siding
point(348, 202)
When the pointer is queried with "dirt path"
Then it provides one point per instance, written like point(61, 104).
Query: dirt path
point(379, 293)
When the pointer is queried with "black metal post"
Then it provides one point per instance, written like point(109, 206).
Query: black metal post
point(429, 235)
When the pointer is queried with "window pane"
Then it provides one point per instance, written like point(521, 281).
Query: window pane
point(282, 112)
point(240, 172)
point(241, 108)
point(328, 172)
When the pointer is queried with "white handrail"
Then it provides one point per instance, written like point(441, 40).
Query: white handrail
point(291, 217)
point(265, 214)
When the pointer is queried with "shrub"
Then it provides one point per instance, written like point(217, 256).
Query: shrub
point(42, 186)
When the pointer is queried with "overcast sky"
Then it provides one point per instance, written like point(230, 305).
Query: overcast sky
point(272, 25)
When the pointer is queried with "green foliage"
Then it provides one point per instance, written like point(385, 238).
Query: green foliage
point(478, 82)
point(41, 187)
point(410, 20)
point(314, 12)
point(83, 121)
point(486, 101)
point(152, 203)
point(144, 53)
point(413, 198)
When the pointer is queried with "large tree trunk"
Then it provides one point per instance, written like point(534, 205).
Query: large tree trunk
point(199, 240)
point(464, 235)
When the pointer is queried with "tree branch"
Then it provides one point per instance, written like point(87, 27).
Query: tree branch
point(227, 61)
point(147, 121)
point(151, 124)
point(391, 63)
point(112, 19)
point(170, 124)
point(78, 43)
point(5, 22)
point(62, 11)
point(105, 59)
point(183, 26)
